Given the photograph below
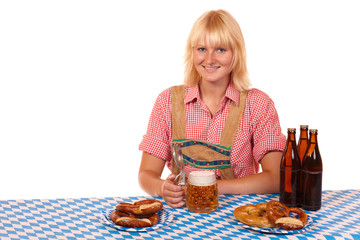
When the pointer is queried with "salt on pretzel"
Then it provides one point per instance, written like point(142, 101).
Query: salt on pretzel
point(143, 208)
point(254, 215)
point(129, 220)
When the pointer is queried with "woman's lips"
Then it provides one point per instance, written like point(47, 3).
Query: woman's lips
point(210, 69)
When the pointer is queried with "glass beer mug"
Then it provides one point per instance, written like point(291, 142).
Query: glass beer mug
point(201, 192)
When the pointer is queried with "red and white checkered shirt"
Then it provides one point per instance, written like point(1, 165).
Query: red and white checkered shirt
point(259, 131)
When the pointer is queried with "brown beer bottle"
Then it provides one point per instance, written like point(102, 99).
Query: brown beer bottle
point(302, 146)
point(303, 141)
point(290, 170)
point(312, 175)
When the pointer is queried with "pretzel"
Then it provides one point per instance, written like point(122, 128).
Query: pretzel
point(271, 214)
point(291, 223)
point(129, 220)
point(276, 210)
point(254, 215)
point(143, 208)
point(279, 214)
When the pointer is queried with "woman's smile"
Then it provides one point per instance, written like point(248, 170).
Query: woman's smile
point(211, 69)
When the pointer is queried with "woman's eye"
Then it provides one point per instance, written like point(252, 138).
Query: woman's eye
point(201, 49)
point(221, 50)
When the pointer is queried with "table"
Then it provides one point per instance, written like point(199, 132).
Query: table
point(339, 218)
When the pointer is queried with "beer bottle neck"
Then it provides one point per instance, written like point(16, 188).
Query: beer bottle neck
point(304, 134)
point(312, 143)
point(313, 138)
point(291, 136)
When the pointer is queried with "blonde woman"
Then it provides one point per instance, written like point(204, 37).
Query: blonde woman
point(215, 107)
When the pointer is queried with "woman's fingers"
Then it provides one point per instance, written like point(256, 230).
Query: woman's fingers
point(173, 194)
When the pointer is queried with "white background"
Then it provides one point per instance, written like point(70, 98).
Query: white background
point(78, 80)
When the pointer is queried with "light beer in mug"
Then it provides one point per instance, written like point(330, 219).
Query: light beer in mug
point(201, 192)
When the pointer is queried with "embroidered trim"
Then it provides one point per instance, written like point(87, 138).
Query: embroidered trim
point(216, 164)
point(188, 142)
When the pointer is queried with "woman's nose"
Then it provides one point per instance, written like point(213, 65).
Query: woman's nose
point(210, 58)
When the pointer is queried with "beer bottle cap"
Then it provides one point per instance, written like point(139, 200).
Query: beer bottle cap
point(291, 129)
point(313, 130)
point(304, 126)
point(202, 178)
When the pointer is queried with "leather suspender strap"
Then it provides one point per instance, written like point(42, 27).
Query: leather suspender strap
point(178, 117)
point(233, 120)
point(232, 123)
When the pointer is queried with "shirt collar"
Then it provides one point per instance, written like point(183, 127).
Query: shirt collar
point(193, 93)
point(232, 93)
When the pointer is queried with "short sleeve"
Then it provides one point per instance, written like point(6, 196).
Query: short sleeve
point(156, 141)
point(265, 125)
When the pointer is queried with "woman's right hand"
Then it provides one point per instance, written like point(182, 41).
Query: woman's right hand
point(173, 195)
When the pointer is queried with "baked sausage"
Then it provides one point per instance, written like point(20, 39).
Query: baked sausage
point(130, 221)
point(143, 208)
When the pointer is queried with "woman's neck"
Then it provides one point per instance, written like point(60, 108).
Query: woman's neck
point(212, 93)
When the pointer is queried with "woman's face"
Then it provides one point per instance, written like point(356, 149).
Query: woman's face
point(213, 63)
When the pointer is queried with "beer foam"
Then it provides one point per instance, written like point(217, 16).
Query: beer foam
point(202, 178)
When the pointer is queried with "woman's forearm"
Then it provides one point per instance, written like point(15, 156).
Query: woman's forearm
point(255, 184)
point(150, 183)
point(149, 175)
point(267, 181)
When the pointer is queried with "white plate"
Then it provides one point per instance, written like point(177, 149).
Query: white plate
point(165, 218)
point(308, 225)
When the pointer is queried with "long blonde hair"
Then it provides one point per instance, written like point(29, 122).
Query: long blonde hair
point(220, 29)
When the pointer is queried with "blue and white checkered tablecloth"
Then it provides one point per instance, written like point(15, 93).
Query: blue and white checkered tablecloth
point(339, 218)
